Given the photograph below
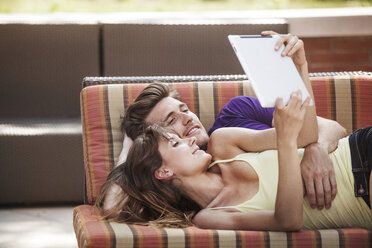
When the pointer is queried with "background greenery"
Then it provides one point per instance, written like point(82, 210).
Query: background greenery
point(48, 6)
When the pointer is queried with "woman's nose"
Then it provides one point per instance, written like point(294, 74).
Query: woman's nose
point(192, 141)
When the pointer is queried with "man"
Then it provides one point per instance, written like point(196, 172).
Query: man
point(157, 104)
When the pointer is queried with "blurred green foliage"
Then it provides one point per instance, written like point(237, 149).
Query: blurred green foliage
point(49, 6)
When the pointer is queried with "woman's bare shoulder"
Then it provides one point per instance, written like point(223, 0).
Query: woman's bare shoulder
point(223, 143)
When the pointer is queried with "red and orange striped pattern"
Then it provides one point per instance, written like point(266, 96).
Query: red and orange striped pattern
point(93, 232)
point(347, 99)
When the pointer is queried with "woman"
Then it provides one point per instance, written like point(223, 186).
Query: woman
point(171, 182)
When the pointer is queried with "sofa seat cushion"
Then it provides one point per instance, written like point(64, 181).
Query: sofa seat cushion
point(91, 231)
point(347, 99)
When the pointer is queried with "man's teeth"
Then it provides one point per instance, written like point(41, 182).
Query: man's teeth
point(192, 130)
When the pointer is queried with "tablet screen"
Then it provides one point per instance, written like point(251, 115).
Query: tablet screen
point(270, 74)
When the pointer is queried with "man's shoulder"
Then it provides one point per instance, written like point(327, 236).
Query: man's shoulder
point(239, 101)
point(243, 103)
point(244, 99)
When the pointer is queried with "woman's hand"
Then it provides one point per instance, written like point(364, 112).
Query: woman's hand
point(294, 47)
point(288, 120)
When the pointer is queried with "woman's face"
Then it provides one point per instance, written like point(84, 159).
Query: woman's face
point(182, 156)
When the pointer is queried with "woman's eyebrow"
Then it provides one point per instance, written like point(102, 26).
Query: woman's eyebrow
point(171, 140)
point(182, 105)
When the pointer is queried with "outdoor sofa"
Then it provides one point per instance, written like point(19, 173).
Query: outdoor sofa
point(346, 98)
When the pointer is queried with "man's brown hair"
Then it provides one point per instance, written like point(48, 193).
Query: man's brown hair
point(134, 119)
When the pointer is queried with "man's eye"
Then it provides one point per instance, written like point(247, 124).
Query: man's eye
point(175, 143)
point(170, 122)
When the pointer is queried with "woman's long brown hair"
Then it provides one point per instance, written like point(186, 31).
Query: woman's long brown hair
point(145, 199)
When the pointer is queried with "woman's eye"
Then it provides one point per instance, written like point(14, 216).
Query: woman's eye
point(185, 110)
point(175, 144)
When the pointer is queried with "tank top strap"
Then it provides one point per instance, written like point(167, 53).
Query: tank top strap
point(221, 161)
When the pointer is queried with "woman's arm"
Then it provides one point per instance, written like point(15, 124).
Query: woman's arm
point(317, 168)
point(229, 219)
point(288, 206)
point(294, 48)
point(288, 124)
point(236, 140)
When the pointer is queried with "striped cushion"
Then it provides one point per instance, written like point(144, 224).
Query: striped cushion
point(92, 232)
point(347, 99)
point(343, 98)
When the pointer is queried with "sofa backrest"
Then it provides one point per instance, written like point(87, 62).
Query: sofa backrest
point(347, 99)
point(41, 67)
point(44, 58)
point(174, 49)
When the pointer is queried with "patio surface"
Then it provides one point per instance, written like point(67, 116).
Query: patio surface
point(37, 227)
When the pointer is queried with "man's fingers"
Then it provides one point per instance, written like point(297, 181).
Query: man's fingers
point(319, 177)
point(327, 192)
point(319, 193)
point(333, 182)
point(310, 191)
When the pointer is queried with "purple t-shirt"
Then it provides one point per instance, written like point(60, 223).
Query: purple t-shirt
point(244, 111)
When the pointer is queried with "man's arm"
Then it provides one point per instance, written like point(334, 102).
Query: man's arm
point(330, 132)
point(316, 166)
point(237, 140)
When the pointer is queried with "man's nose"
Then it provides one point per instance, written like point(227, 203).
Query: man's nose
point(186, 118)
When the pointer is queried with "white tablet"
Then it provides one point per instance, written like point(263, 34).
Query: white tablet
point(270, 74)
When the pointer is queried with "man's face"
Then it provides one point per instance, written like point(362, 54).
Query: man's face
point(170, 112)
